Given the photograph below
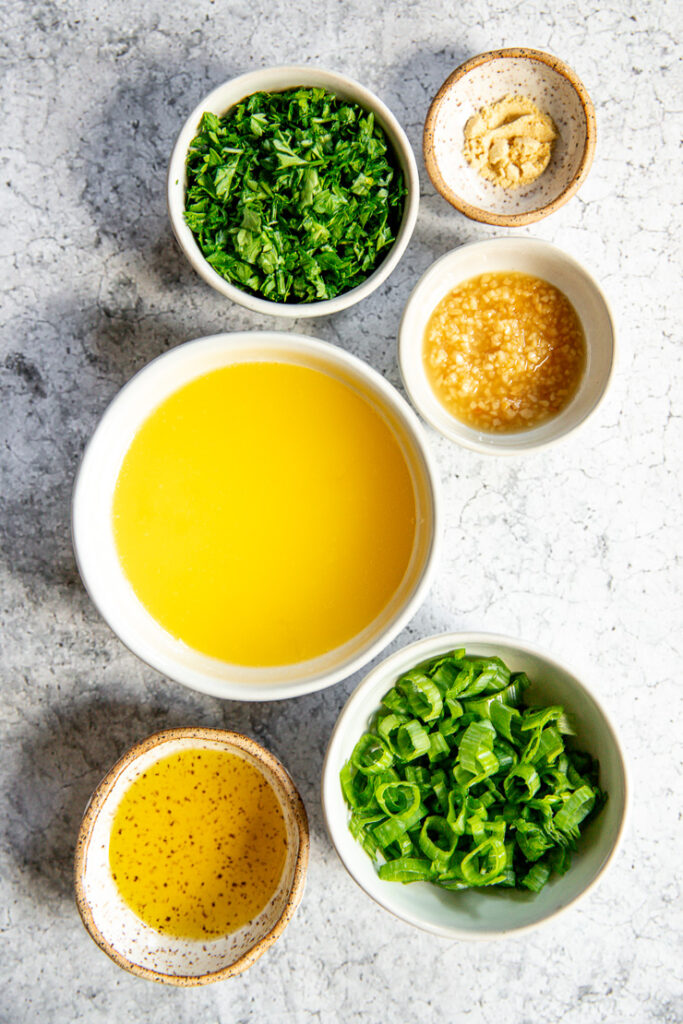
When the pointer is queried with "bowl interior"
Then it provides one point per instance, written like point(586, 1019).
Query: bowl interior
point(528, 256)
point(486, 83)
point(277, 80)
point(137, 946)
point(481, 914)
point(94, 538)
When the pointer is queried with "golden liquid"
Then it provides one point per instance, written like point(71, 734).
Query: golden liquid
point(264, 514)
point(198, 844)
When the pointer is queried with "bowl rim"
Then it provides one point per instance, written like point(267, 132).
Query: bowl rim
point(403, 151)
point(327, 352)
point(428, 647)
point(405, 343)
point(477, 213)
point(229, 739)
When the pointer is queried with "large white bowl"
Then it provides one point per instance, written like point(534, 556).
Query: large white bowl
point(93, 536)
point(528, 256)
point(484, 914)
point(276, 80)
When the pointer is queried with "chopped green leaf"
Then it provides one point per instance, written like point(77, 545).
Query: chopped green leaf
point(295, 196)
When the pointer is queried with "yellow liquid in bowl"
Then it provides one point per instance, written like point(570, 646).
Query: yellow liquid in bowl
point(264, 514)
point(198, 844)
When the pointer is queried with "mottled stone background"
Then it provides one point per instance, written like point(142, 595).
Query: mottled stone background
point(576, 548)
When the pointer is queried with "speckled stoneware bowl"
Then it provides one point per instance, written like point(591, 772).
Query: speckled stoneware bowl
point(482, 80)
point(135, 946)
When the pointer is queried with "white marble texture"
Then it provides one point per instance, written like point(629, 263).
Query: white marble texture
point(576, 548)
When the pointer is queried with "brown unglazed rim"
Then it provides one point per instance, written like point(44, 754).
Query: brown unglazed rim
point(531, 216)
point(230, 739)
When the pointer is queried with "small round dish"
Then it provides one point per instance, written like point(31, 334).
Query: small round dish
point(142, 950)
point(485, 79)
point(483, 914)
point(278, 79)
point(528, 256)
point(93, 533)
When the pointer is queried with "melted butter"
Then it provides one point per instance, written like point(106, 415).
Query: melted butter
point(198, 844)
point(264, 514)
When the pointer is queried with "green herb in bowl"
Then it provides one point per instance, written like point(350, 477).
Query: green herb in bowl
point(460, 784)
point(293, 196)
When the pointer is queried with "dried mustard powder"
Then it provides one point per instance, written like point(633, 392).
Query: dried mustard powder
point(510, 142)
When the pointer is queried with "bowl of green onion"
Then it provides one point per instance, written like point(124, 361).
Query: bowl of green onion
point(293, 191)
point(474, 787)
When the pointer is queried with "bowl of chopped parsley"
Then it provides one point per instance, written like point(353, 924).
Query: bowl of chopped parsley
point(474, 787)
point(293, 191)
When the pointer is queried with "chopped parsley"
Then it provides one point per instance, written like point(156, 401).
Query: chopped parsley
point(293, 196)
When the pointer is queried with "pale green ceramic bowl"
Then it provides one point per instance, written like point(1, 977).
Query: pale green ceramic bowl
point(486, 914)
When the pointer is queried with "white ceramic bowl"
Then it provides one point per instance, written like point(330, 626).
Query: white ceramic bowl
point(276, 80)
point(484, 914)
point(93, 536)
point(528, 256)
point(483, 80)
point(131, 943)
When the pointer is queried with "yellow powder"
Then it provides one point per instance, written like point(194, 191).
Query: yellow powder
point(510, 142)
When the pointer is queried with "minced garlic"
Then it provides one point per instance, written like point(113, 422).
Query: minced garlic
point(510, 142)
point(504, 351)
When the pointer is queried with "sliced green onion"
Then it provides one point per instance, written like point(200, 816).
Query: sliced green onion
point(412, 740)
point(395, 701)
point(575, 809)
point(423, 696)
point(387, 727)
point(398, 799)
point(531, 839)
point(458, 784)
point(371, 755)
point(407, 869)
point(437, 840)
point(521, 783)
point(550, 746)
point(484, 863)
point(438, 746)
point(536, 878)
point(477, 740)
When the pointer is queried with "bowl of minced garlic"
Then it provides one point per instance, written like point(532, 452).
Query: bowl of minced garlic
point(191, 857)
point(510, 136)
point(506, 345)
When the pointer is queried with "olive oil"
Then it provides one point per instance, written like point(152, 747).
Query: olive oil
point(198, 844)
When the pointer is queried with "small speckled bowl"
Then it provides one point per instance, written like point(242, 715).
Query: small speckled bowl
point(482, 80)
point(135, 946)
